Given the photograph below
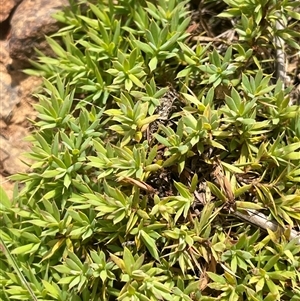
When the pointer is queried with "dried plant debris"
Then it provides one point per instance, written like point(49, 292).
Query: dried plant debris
point(164, 110)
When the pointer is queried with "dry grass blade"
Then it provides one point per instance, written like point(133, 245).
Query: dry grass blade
point(15, 266)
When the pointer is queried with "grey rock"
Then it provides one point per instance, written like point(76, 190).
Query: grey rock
point(8, 95)
point(31, 21)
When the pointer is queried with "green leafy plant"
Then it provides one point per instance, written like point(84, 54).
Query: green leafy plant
point(147, 151)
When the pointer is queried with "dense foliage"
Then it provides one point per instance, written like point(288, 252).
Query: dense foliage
point(148, 142)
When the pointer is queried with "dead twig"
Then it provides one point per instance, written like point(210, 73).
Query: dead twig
point(280, 53)
point(261, 221)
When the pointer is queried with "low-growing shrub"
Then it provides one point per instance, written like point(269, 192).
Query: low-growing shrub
point(147, 146)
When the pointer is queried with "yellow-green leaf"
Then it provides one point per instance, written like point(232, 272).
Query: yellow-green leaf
point(150, 244)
